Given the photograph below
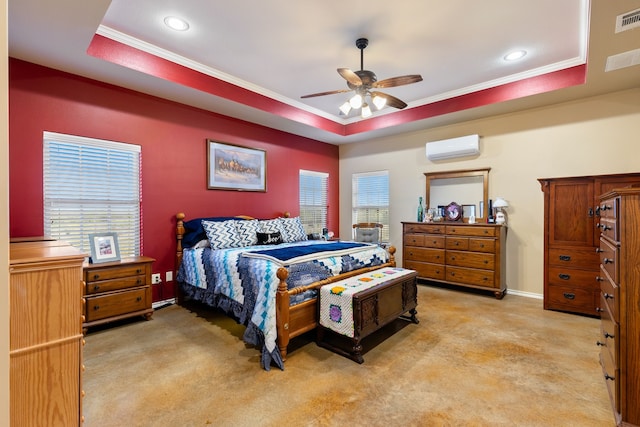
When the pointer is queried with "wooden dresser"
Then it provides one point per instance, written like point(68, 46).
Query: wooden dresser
point(571, 218)
point(471, 255)
point(45, 333)
point(619, 303)
point(117, 290)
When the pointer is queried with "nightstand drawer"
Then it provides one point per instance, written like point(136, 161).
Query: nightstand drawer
point(116, 303)
point(96, 274)
point(115, 284)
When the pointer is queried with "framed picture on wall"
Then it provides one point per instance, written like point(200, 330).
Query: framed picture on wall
point(104, 247)
point(233, 167)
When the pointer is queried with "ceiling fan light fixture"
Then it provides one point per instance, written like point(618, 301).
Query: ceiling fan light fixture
point(356, 101)
point(345, 108)
point(176, 23)
point(379, 102)
point(366, 111)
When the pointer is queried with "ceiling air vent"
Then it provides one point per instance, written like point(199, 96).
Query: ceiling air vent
point(628, 20)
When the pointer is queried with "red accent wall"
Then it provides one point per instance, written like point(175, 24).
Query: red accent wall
point(173, 140)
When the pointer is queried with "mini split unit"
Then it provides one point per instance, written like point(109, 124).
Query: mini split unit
point(463, 146)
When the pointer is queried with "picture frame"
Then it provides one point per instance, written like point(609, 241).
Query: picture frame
point(468, 211)
point(104, 247)
point(234, 167)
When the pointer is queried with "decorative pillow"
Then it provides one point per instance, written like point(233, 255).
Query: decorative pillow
point(247, 231)
point(293, 230)
point(194, 232)
point(269, 238)
point(271, 226)
point(222, 234)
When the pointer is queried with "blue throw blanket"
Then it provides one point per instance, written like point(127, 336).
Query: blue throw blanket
point(288, 255)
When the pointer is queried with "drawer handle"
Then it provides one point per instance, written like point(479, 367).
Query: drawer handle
point(598, 250)
point(486, 262)
point(569, 295)
point(96, 276)
point(609, 377)
point(138, 271)
point(599, 310)
point(564, 276)
point(605, 207)
point(565, 257)
point(600, 343)
point(138, 299)
point(608, 296)
point(139, 281)
point(607, 261)
point(96, 307)
point(486, 232)
point(434, 242)
point(96, 288)
point(599, 279)
point(457, 243)
point(608, 335)
point(453, 258)
point(482, 245)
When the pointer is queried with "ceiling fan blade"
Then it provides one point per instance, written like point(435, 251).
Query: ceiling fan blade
point(350, 76)
point(331, 92)
point(398, 81)
point(392, 101)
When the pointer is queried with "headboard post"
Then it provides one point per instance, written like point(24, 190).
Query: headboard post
point(179, 235)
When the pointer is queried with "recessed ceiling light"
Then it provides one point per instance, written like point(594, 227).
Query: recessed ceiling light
point(515, 55)
point(175, 23)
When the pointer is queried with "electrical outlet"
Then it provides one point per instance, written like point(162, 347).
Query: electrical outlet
point(169, 276)
point(155, 278)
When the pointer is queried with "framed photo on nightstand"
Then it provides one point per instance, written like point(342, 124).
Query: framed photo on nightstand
point(104, 247)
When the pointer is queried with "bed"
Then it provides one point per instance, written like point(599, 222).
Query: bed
point(265, 274)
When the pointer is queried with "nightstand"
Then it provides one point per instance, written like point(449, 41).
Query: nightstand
point(117, 290)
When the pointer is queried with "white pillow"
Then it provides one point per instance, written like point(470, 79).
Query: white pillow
point(293, 230)
point(271, 226)
point(222, 234)
point(248, 231)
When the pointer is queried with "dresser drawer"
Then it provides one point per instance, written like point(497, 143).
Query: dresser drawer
point(426, 270)
point(426, 240)
point(414, 239)
point(572, 298)
point(424, 228)
point(585, 279)
point(92, 274)
point(482, 245)
point(116, 303)
point(573, 258)
point(472, 230)
point(115, 284)
point(485, 278)
point(457, 243)
point(471, 259)
point(609, 259)
point(412, 253)
point(609, 208)
point(609, 292)
point(609, 228)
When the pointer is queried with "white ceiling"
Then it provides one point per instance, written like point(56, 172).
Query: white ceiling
point(285, 49)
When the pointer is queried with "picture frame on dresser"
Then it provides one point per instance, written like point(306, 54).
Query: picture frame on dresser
point(104, 247)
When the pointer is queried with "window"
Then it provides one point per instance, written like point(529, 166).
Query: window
point(370, 192)
point(91, 186)
point(313, 200)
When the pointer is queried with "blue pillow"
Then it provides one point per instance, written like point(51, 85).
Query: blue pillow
point(194, 232)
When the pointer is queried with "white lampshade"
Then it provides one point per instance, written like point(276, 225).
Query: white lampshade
point(366, 110)
point(345, 108)
point(500, 203)
point(356, 101)
point(379, 102)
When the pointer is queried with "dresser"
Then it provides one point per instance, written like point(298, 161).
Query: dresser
point(117, 290)
point(619, 302)
point(45, 333)
point(461, 254)
point(571, 234)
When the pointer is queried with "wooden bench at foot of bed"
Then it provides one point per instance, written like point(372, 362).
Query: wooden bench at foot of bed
point(351, 310)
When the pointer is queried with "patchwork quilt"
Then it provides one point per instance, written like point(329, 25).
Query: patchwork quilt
point(244, 284)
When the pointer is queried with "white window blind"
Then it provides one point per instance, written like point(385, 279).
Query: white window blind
point(92, 186)
point(313, 200)
point(370, 199)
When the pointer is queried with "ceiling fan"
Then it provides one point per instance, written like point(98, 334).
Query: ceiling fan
point(363, 81)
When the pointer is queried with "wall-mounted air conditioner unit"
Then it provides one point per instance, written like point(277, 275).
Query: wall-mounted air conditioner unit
point(463, 146)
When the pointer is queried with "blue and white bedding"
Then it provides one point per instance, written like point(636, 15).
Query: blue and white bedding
point(243, 282)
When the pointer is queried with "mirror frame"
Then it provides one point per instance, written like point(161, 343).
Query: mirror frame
point(467, 173)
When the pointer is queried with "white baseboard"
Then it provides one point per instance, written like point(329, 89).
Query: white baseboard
point(524, 294)
point(163, 303)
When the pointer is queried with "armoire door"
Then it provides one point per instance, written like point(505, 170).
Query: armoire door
point(571, 213)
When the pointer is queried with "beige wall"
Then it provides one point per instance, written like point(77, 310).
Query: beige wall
point(4, 223)
point(597, 135)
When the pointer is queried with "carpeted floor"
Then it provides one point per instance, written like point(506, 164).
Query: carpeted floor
point(472, 361)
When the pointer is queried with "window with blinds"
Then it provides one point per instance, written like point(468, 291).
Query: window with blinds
point(313, 200)
point(92, 186)
point(370, 199)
